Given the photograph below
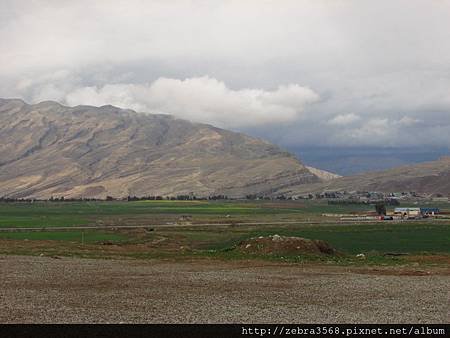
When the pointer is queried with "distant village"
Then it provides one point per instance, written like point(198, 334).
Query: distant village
point(421, 202)
point(332, 197)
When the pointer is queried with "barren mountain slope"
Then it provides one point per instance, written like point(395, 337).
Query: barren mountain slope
point(323, 174)
point(428, 177)
point(51, 150)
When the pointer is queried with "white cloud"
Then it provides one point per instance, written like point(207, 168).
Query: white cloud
point(343, 120)
point(372, 128)
point(408, 121)
point(202, 99)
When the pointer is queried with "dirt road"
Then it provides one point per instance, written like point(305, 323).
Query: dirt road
point(72, 290)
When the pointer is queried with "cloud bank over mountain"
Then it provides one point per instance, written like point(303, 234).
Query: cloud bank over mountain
point(201, 99)
point(298, 73)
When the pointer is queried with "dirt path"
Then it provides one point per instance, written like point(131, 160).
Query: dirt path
point(200, 225)
point(66, 290)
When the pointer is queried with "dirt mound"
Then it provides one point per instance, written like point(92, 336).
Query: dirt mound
point(282, 245)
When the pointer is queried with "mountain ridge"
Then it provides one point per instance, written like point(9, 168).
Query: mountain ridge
point(51, 150)
point(432, 177)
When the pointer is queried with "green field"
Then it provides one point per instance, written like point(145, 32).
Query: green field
point(427, 237)
point(49, 214)
point(383, 238)
point(73, 236)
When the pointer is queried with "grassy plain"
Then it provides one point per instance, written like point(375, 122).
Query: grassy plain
point(49, 214)
point(177, 229)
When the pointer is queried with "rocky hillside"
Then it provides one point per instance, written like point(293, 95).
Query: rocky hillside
point(323, 174)
point(428, 177)
point(48, 150)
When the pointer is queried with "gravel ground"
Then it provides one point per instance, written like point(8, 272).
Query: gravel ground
point(69, 290)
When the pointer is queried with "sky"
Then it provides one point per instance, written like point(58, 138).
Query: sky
point(299, 73)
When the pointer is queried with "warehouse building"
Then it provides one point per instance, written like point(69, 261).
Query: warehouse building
point(408, 212)
point(429, 211)
point(416, 212)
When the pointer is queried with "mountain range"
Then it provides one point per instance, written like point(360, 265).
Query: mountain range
point(50, 150)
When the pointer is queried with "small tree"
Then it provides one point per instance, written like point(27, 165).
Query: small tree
point(380, 208)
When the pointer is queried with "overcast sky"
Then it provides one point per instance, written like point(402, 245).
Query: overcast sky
point(346, 73)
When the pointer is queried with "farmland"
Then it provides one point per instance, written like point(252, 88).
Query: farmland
point(162, 261)
point(211, 228)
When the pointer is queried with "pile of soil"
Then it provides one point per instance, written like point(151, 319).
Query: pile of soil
point(281, 245)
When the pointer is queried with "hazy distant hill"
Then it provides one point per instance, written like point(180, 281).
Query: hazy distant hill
point(348, 161)
point(428, 177)
point(51, 150)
